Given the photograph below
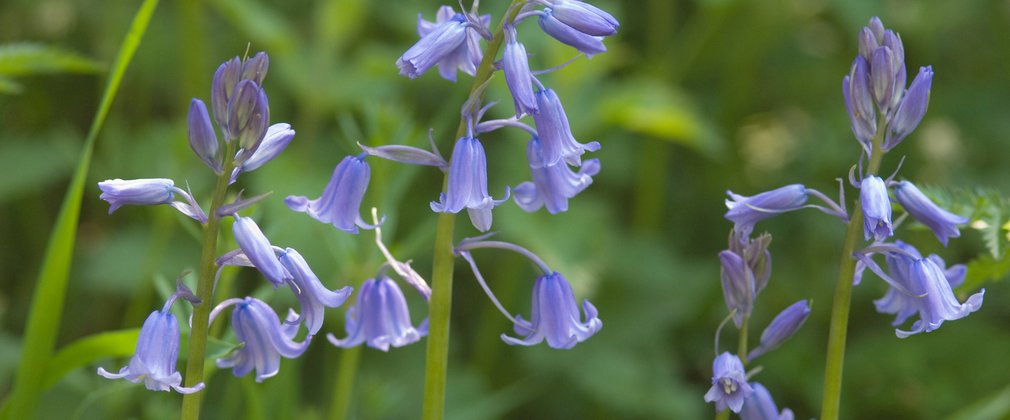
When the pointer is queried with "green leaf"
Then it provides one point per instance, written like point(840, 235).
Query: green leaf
point(50, 291)
point(88, 350)
point(24, 59)
point(984, 269)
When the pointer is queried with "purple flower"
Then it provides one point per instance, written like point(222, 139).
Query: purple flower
point(584, 17)
point(380, 318)
point(911, 110)
point(258, 250)
point(738, 285)
point(555, 133)
point(263, 337)
point(339, 205)
point(585, 43)
point(277, 137)
point(148, 191)
point(942, 222)
point(756, 254)
point(202, 139)
point(312, 295)
point(859, 103)
point(517, 74)
point(156, 355)
point(785, 324)
point(876, 208)
point(745, 212)
point(898, 264)
point(225, 85)
point(729, 383)
point(938, 304)
point(467, 185)
point(759, 405)
point(552, 185)
point(448, 42)
point(248, 118)
point(555, 316)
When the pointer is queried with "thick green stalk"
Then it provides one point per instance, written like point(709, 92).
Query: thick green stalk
point(843, 296)
point(205, 291)
point(440, 306)
point(347, 371)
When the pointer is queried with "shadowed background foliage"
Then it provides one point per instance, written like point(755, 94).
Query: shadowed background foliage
point(693, 98)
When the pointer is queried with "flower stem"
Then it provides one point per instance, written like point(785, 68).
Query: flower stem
point(346, 373)
point(440, 306)
point(205, 292)
point(843, 296)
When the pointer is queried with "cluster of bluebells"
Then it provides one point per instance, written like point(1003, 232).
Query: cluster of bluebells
point(452, 42)
point(247, 141)
point(882, 113)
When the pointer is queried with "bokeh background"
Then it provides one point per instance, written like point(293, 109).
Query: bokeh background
point(693, 98)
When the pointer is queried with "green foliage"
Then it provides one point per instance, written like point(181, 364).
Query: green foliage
point(26, 59)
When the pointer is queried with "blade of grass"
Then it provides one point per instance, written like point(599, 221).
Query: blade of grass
point(89, 349)
point(50, 290)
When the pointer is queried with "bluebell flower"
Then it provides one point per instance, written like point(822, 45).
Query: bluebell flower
point(157, 351)
point(876, 208)
point(785, 324)
point(745, 211)
point(310, 292)
point(895, 301)
point(738, 285)
point(911, 110)
point(859, 103)
point(585, 43)
point(202, 139)
point(276, 139)
point(448, 42)
point(467, 184)
point(729, 383)
point(552, 185)
point(942, 222)
point(584, 17)
point(341, 200)
point(248, 118)
point(555, 316)
point(755, 254)
point(759, 405)
point(225, 83)
point(939, 304)
point(263, 337)
point(518, 77)
point(380, 318)
point(557, 141)
point(258, 250)
point(146, 192)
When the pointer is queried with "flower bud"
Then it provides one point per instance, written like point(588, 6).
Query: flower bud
point(202, 139)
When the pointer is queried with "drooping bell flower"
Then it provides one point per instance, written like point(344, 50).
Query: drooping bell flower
point(585, 43)
point(942, 222)
point(937, 302)
point(876, 208)
point(449, 42)
point(911, 110)
point(584, 17)
point(729, 383)
point(557, 141)
point(257, 249)
point(341, 200)
point(745, 211)
point(313, 297)
point(263, 337)
point(277, 138)
point(146, 192)
point(555, 316)
point(552, 185)
point(785, 324)
point(518, 77)
point(380, 318)
point(467, 185)
point(157, 352)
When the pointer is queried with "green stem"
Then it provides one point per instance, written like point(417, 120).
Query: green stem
point(205, 291)
point(440, 306)
point(843, 296)
point(348, 370)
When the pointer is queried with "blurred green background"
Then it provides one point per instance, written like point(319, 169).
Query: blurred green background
point(693, 98)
